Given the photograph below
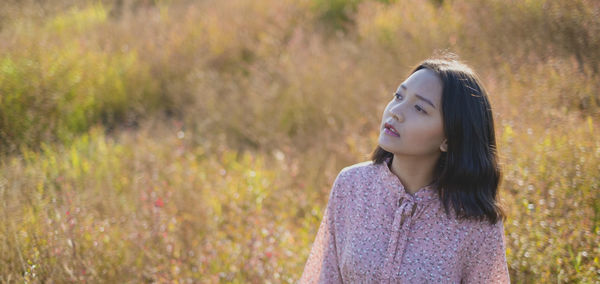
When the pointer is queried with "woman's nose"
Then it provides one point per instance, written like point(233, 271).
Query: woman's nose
point(396, 113)
point(398, 117)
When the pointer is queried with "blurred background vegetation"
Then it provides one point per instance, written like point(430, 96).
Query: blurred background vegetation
point(197, 141)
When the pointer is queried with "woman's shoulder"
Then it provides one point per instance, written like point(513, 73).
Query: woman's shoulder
point(355, 179)
point(358, 171)
point(470, 228)
point(356, 175)
point(482, 231)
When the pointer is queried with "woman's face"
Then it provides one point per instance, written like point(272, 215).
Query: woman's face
point(415, 113)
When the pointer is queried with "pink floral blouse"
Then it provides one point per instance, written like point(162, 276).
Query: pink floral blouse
point(373, 231)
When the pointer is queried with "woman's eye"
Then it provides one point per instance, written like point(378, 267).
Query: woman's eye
point(418, 107)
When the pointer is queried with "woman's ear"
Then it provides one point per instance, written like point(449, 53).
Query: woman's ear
point(444, 146)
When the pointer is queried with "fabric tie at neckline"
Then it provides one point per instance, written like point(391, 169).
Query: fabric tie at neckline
point(408, 209)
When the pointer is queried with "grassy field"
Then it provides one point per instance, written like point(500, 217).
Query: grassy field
point(197, 141)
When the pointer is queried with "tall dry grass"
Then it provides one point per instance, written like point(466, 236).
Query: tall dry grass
point(197, 141)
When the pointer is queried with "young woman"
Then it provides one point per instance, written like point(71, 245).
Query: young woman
point(424, 210)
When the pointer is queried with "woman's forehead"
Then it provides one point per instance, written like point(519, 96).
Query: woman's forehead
point(425, 83)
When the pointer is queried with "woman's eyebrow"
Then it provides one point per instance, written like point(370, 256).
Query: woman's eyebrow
point(419, 96)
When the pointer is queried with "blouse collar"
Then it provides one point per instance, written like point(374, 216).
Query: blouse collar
point(424, 194)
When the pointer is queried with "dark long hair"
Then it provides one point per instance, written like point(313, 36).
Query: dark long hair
point(467, 176)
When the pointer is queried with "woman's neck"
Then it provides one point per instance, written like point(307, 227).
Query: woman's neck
point(413, 174)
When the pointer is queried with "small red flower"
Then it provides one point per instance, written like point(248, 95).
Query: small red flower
point(159, 202)
point(269, 254)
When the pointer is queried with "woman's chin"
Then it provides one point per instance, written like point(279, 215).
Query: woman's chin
point(385, 141)
point(384, 145)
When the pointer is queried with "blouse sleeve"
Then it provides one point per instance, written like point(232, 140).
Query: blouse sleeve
point(322, 264)
point(486, 262)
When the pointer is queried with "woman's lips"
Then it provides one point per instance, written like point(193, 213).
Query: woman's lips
point(390, 130)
